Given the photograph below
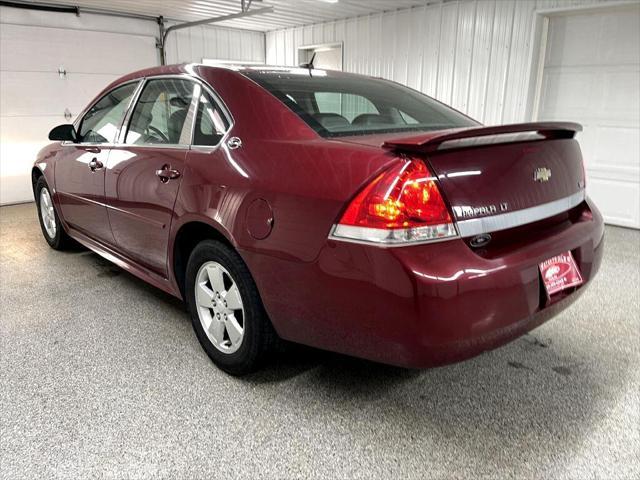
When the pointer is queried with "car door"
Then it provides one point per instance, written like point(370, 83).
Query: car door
point(144, 171)
point(80, 172)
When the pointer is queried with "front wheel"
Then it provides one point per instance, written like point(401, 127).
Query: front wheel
point(226, 311)
point(50, 224)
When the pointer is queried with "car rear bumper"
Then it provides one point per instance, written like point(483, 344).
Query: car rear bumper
point(424, 305)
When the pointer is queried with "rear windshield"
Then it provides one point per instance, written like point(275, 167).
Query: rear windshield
point(352, 105)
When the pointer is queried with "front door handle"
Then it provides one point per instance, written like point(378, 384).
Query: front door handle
point(167, 173)
point(95, 164)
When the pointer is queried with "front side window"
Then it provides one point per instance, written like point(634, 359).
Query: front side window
point(160, 113)
point(335, 105)
point(211, 124)
point(101, 123)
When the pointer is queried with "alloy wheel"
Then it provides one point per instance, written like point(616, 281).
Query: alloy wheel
point(47, 213)
point(219, 306)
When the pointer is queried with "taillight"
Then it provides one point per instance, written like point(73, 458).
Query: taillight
point(401, 205)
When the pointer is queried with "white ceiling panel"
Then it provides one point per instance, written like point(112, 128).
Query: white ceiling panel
point(286, 13)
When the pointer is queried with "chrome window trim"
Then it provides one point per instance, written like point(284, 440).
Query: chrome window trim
point(142, 81)
point(191, 115)
point(503, 221)
point(122, 131)
point(185, 128)
point(203, 86)
point(225, 111)
point(125, 145)
point(167, 146)
point(89, 144)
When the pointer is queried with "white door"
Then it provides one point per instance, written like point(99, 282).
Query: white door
point(34, 96)
point(326, 57)
point(592, 76)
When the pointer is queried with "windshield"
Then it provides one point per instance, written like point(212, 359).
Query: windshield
point(355, 105)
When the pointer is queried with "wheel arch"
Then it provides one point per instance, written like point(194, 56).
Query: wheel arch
point(36, 173)
point(186, 237)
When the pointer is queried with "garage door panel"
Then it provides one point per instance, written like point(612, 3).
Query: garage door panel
point(618, 37)
point(596, 38)
point(613, 147)
point(591, 76)
point(34, 97)
point(43, 93)
point(76, 50)
point(565, 91)
point(19, 130)
point(592, 92)
point(617, 198)
point(622, 95)
point(574, 44)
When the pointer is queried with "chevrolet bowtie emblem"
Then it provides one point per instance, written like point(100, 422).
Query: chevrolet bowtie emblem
point(542, 174)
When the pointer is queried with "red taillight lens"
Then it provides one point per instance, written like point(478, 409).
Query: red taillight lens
point(404, 199)
point(405, 196)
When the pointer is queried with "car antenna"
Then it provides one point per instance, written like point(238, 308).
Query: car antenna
point(309, 65)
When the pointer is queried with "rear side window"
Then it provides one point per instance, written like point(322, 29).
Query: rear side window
point(101, 123)
point(335, 105)
point(211, 123)
point(160, 113)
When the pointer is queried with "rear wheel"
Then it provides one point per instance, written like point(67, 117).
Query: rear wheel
point(50, 224)
point(226, 311)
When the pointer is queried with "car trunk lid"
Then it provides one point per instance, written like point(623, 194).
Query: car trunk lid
point(500, 177)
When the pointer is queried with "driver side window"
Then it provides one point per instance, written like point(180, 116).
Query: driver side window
point(101, 123)
point(160, 113)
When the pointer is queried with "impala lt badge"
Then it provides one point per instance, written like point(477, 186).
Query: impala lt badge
point(542, 174)
point(466, 211)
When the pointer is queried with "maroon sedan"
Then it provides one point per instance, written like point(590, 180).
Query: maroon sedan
point(339, 211)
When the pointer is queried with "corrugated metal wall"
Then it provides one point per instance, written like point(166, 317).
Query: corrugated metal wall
point(194, 44)
point(472, 54)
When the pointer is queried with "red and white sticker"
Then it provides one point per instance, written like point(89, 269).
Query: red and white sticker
point(560, 272)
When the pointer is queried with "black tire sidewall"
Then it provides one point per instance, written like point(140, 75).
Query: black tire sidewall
point(244, 359)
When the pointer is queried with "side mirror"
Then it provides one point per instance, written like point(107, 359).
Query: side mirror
point(64, 133)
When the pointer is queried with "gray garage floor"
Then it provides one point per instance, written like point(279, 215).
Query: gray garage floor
point(102, 377)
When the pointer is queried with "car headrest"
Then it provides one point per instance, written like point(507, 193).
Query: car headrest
point(176, 122)
point(179, 102)
point(371, 119)
point(331, 120)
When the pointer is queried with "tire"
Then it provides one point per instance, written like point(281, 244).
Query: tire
point(226, 311)
point(50, 223)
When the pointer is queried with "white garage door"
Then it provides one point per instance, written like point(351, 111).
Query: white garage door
point(592, 76)
point(34, 96)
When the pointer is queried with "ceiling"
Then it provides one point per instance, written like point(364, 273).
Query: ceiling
point(286, 13)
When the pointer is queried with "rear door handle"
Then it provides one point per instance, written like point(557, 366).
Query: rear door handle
point(95, 164)
point(167, 173)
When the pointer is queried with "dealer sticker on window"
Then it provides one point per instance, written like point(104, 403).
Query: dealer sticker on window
point(559, 273)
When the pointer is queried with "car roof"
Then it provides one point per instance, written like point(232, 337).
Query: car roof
point(244, 69)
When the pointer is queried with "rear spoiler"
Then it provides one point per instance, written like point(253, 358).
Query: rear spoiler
point(432, 141)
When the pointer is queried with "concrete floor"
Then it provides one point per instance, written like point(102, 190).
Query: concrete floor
point(102, 376)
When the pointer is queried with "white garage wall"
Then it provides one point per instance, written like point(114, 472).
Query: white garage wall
point(472, 54)
point(94, 50)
